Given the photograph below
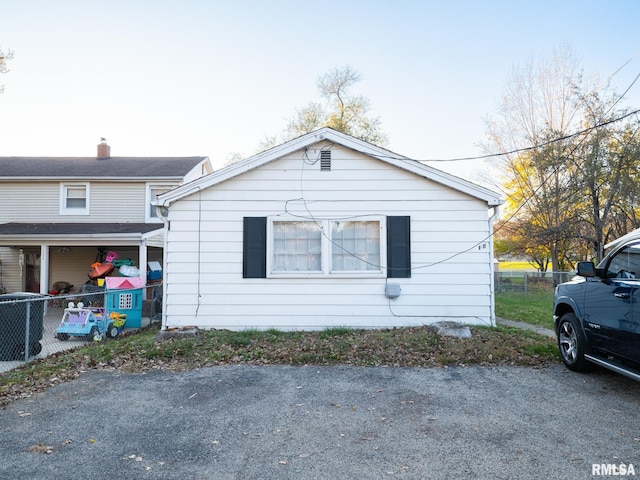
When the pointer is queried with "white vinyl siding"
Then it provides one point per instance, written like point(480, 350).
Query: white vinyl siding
point(41, 202)
point(207, 231)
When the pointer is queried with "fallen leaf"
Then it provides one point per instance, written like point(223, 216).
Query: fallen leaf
point(41, 448)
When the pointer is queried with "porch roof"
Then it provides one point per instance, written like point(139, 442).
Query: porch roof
point(76, 233)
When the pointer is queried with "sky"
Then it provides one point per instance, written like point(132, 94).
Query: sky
point(215, 78)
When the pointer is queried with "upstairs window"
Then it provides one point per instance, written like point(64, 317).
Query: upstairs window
point(74, 199)
point(152, 193)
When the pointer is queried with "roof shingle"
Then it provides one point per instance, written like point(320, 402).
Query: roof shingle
point(92, 167)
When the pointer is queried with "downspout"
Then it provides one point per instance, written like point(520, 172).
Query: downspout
point(163, 214)
point(492, 282)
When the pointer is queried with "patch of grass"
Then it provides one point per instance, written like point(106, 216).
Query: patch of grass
point(274, 331)
point(544, 350)
point(535, 308)
point(335, 332)
point(516, 266)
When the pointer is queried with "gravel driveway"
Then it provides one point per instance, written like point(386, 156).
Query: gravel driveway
point(279, 422)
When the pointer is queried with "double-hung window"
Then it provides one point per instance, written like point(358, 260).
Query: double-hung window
point(326, 248)
point(74, 199)
point(367, 247)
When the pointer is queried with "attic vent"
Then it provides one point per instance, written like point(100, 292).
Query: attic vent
point(325, 160)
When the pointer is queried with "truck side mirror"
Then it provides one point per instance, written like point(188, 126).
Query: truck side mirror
point(586, 269)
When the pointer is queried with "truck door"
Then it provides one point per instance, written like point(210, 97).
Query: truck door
point(607, 313)
point(614, 321)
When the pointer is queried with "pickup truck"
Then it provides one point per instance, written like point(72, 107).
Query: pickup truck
point(596, 315)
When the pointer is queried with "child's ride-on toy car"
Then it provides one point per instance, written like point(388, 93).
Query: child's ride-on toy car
point(92, 323)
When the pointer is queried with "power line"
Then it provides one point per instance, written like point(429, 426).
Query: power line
point(525, 149)
point(308, 161)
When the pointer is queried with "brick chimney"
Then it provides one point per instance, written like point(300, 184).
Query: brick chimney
point(104, 150)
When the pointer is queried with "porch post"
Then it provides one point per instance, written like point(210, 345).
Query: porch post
point(142, 264)
point(44, 269)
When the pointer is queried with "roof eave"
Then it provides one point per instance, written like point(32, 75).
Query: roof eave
point(126, 239)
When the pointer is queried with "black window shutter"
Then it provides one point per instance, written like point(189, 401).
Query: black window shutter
point(398, 247)
point(254, 247)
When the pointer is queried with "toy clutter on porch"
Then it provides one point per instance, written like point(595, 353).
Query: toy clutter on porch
point(107, 263)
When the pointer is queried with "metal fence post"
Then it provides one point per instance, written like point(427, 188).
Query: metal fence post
point(27, 343)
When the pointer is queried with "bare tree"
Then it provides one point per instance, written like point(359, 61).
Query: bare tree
point(341, 110)
point(539, 106)
point(4, 57)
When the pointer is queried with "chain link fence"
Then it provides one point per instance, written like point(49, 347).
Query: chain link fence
point(529, 281)
point(35, 326)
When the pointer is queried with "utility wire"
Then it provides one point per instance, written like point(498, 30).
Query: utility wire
point(544, 181)
point(525, 149)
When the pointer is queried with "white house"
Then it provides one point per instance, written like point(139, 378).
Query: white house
point(327, 230)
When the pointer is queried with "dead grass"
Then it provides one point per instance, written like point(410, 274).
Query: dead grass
point(398, 347)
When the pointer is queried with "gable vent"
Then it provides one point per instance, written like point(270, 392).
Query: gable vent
point(325, 160)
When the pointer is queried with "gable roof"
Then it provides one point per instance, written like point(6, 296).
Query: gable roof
point(327, 134)
point(49, 168)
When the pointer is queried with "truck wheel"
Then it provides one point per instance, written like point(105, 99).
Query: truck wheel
point(572, 345)
point(62, 336)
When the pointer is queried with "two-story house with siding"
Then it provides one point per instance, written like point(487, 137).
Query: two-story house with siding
point(59, 215)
